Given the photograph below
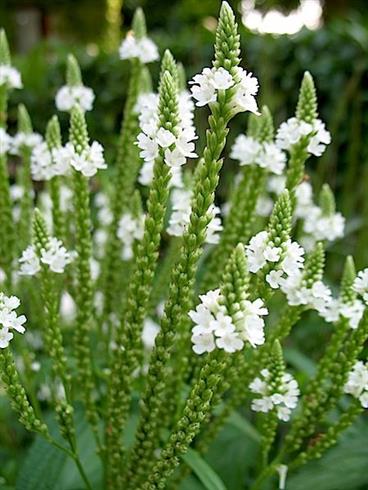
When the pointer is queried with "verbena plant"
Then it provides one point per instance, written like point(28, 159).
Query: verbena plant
point(135, 289)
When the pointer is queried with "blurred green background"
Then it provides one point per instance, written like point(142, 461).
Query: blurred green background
point(333, 46)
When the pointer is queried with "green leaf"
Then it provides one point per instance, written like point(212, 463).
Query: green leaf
point(242, 424)
point(341, 468)
point(48, 468)
point(300, 361)
point(204, 472)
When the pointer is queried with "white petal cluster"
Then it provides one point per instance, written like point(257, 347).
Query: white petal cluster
point(244, 86)
point(181, 208)
point(46, 164)
point(144, 49)
point(10, 77)
point(361, 284)
point(69, 96)
point(317, 297)
point(9, 320)
point(249, 151)
point(357, 383)
point(21, 140)
point(291, 132)
point(283, 400)
point(177, 148)
point(353, 312)
point(104, 214)
point(286, 260)
point(54, 255)
point(215, 328)
point(316, 225)
point(88, 162)
point(180, 216)
point(130, 229)
point(320, 227)
point(5, 142)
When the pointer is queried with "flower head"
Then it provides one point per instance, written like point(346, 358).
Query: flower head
point(10, 77)
point(282, 399)
point(68, 97)
point(9, 320)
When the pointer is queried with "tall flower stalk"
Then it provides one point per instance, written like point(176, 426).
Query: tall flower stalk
point(127, 166)
point(128, 334)
point(180, 299)
point(7, 239)
point(84, 292)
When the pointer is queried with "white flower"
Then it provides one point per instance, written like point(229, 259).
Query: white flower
point(174, 158)
point(272, 254)
point(24, 140)
point(30, 263)
point(204, 342)
point(221, 79)
point(130, 229)
point(68, 97)
point(180, 216)
point(212, 320)
point(304, 200)
point(148, 147)
point(264, 206)
point(212, 300)
point(323, 227)
point(222, 324)
point(357, 383)
point(5, 142)
point(146, 173)
point(361, 284)
point(56, 256)
point(88, 162)
point(149, 333)
point(165, 138)
point(203, 90)
point(5, 338)
point(291, 131)
point(214, 227)
point(207, 83)
point(230, 342)
point(282, 399)
point(274, 278)
point(10, 77)
point(153, 137)
point(181, 208)
point(255, 251)
point(276, 184)
point(245, 149)
point(45, 164)
point(272, 158)
point(144, 49)
point(68, 307)
point(9, 320)
point(354, 312)
point(293, 258)
point(319, 141)
point(245, 91)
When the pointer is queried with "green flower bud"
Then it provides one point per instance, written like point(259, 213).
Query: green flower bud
point(139, 24)
point(4, 49)
point(327, 200)
point(307, 102)
point(73, 72)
